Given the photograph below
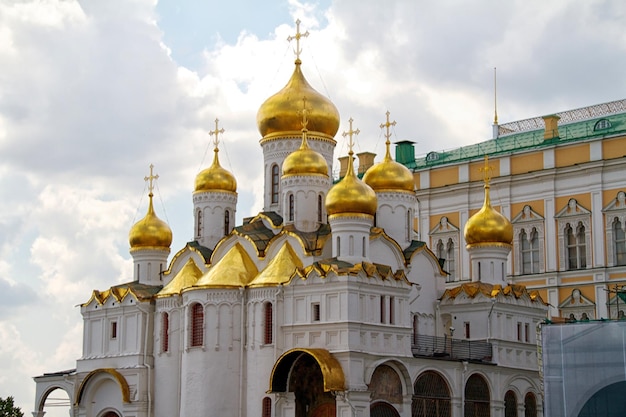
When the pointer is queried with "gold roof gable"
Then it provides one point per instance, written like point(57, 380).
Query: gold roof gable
point(186, 277)
point(280, 269)
point(235, 269)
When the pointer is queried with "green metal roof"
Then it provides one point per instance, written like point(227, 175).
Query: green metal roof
point(515, 142)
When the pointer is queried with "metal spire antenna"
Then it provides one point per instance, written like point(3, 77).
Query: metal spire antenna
point(297, 37)
point(495, 98)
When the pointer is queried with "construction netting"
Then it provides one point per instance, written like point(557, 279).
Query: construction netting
point(583, 366)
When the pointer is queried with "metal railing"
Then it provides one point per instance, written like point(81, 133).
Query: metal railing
point(449, 348)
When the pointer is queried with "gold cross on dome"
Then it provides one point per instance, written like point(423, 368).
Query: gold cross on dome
point(297, 37)
point(387, 125)
point(485, 170)
point(351, 133)
point(216, 132)
point(150, 178)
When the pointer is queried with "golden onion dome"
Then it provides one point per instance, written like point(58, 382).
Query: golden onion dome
point(150, 232)
point(488, 226)
point(389, 175)
point(351, 195)
point(215, 178)
point(305, 161)
point(279, 113)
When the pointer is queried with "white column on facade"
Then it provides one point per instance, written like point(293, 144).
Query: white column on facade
point(551, 235)
point(463, 172)
point(601, 300)
point(597, 225)
point(464, 272)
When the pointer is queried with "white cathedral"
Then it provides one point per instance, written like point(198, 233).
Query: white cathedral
point(321, 305)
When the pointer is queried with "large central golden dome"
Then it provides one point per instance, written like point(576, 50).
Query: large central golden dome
point(279, 113)
point(488, 226)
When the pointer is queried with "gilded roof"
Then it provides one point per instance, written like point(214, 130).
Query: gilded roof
point(488, 226)
point(186, 277)
point(473, 289)
point(235, 269)
point(141, 292)
point(389, 175)
point(280, 269)
point(257, 233)
point(351, 195)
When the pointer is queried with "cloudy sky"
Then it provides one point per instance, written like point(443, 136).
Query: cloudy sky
point(92, 92)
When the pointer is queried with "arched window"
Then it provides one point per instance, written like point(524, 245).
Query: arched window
point(529, 247)
point(199, 223)
point(415, 328)
point(530, 405)
point(226, 222)
point(268, 333)
point(431, 396)
point(338, 246)
point(165, 332)
point(510, 404)
point(275, 179)
point(408, 225)
point(619, 242)
point(291, 207)
point(197, 325)
point(477, 397)
point(382, 409)
point(319, 208)
point(364, 254)
point(576, 250)
point(266, 407)
point(602, 124)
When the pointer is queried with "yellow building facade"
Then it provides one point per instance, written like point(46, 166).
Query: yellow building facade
point(561, 180)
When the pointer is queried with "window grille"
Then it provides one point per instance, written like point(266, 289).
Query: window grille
point(197, 325)
point(431, 396)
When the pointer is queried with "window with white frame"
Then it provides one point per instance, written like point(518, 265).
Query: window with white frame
point(615, 230)
point(574, 236)
point(445, 241)
point(528, 242)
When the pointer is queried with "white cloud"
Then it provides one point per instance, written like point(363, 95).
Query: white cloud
point(90, 96)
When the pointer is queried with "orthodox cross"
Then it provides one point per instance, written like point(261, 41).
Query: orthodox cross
point(387, 125)
point(351, 133)
point(485, 170)
point(150, 178)
point(297, 37)
point(216, 132)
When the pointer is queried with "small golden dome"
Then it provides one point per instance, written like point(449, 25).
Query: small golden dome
point(150, 232)
point(351, 195)
point(488, 226)
point(389, 175)
point(279, 113)
point(215, 178)
point(305, 161)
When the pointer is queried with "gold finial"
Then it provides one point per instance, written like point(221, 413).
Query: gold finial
point(151, 178)
point(495, 98)
point(485, 170)
point(351, 133)
point(297, 37)
point(216, 132)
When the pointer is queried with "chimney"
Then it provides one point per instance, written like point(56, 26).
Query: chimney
point(552, 126)
point(405, 153)
point(343, 166)
point(366, 160)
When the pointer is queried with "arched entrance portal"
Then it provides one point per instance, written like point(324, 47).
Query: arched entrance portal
point(381, 409)
point(312, 375)
point(307, 383)
point(609, 401)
